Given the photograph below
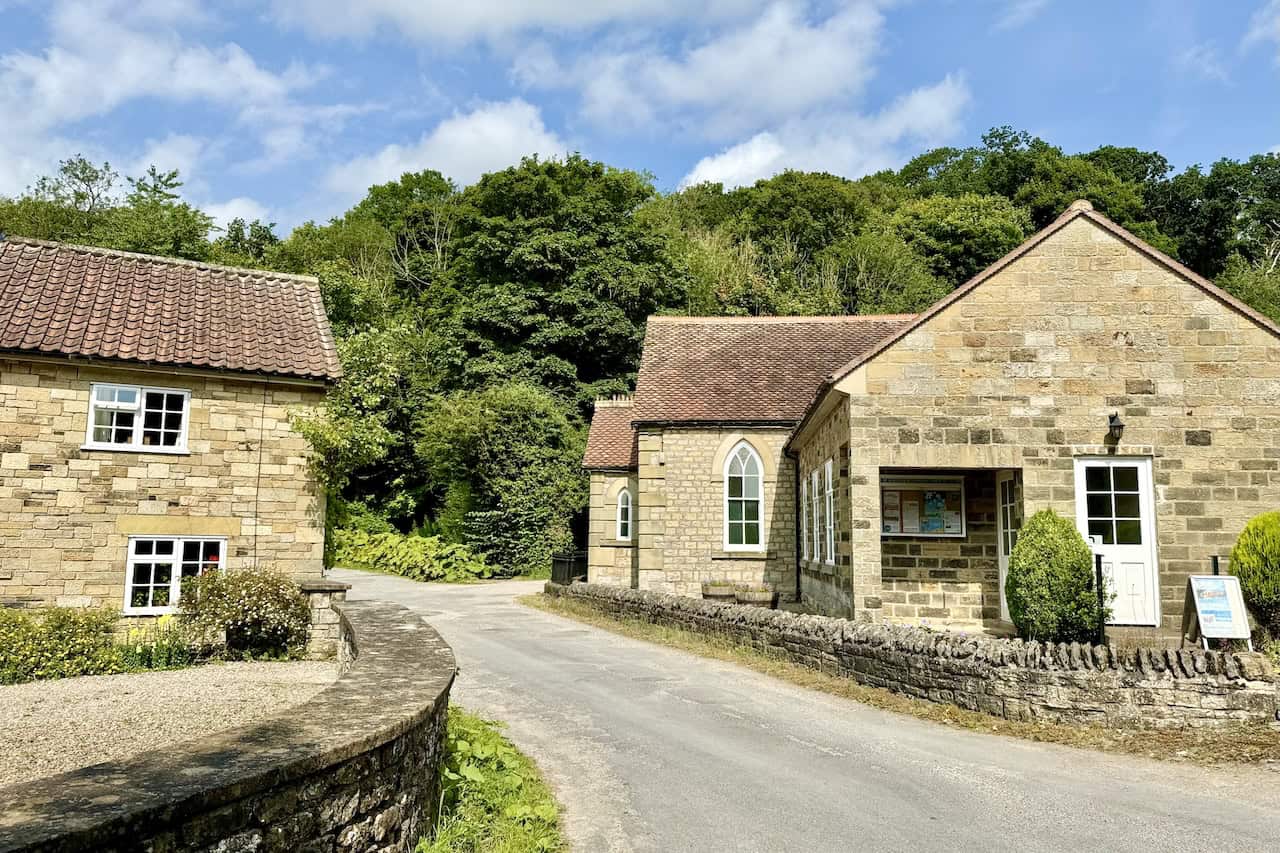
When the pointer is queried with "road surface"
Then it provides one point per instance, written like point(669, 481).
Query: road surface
point(653, 749)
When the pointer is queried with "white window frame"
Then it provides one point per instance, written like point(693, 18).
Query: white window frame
point(139, 415)
point(804, 518)
point(624, 505)
point(759, 499)
point(829, 509)
point(814, 497)
point(175, 574)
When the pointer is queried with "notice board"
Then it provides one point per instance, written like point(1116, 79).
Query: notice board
point(922, 506)
point(1214, 609)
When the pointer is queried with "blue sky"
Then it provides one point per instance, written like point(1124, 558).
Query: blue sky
point(287, 110)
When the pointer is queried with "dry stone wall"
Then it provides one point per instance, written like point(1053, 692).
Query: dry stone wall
point(352, 771)
point(1013, 679)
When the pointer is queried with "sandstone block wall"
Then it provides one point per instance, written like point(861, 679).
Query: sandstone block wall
point(66, 514)
point(681, 511)
point(1012, 679)
point(352, 771)
point(1022, 374)
point(609, 560)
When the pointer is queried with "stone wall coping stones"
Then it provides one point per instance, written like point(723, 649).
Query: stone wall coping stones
point(323, 585)
point(903, 654)
point(400, 676)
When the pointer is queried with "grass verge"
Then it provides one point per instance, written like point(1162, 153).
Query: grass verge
point(493, 799)
point(1240, 743)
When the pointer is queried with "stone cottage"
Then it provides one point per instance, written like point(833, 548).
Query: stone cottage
point(145, 432)
point(884, 473)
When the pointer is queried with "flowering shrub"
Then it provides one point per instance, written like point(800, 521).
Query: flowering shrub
point(57, 643)
point(256, 613)
point(422, 558)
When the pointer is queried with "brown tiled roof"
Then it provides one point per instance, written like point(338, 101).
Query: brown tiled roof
point(611, 443)
point(60, 299)
point(747, 370)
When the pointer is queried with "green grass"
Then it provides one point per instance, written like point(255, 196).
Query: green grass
point(1219, 745)
point(493, 799)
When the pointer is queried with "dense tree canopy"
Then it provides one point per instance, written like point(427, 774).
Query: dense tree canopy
point(476, 325)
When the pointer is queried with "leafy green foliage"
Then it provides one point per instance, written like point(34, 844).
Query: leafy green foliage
point(519, 455)
point(1255, 560)
point(1049, 588)
point(422, 558)
point(1256, 284)
point(64, 643)
point(878, 273)
point(962, 235)
point(492, 798)
point(57, 643)
point(259, 613)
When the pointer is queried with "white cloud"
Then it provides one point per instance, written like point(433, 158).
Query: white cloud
point(240, 207)
point(1018, 13)
point(846, 144)
point(1202, 60)
point(463, 147)
point(1264, 26)
point(102, 54)
point(176, 151)
point(429, 20)
point(782, 63)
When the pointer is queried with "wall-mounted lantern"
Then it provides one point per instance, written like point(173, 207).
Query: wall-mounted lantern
point(1115, 426)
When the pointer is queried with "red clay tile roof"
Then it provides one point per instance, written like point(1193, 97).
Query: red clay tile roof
point(79, 301)
point(747, 370)
point(611, 443)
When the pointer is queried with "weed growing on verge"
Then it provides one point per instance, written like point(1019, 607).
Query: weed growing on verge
point(492, 798)
point(1242, 743)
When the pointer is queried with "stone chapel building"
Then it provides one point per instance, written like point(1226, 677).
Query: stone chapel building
point(880, 467)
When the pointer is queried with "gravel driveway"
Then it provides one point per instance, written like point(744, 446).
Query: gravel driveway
point(654, 749)
point(49, 727)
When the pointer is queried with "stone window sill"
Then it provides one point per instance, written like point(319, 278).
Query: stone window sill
point(617, 543)
point(757, 556)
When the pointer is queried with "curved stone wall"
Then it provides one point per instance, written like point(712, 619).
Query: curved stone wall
point(1006, 678)
point(354, 769)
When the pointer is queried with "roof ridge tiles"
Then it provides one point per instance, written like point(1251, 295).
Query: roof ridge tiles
point(159, 259)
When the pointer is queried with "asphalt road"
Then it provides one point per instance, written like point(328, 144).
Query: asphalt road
point(651, 749)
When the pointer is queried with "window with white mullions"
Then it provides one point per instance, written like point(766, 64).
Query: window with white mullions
point(134, 417)
point(623, 532)
point(829, 511)
point(744, 500)
point(158, 565)
point(1113, 504)
point(815, 495)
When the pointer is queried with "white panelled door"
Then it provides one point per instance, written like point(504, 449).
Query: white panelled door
point(1115, 511)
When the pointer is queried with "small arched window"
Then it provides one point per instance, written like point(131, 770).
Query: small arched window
point(624, 516)
point(743, 500)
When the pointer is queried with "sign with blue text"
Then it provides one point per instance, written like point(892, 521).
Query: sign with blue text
point(1218, 605)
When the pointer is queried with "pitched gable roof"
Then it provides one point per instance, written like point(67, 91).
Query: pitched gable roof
point(746, 370)
point(611, 443)
point(1078, 209)
point(60, 299)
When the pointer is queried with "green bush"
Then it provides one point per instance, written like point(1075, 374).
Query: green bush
point(1255, 560)
point(1050, 584)
point(422, 558)
point(57, 643)
point(492, 798)
point(257, 613)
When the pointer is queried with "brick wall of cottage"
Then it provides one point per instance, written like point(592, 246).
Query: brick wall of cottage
point(608, 559)
point(1023, 372)
point(680, 511)
point(66, 514)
